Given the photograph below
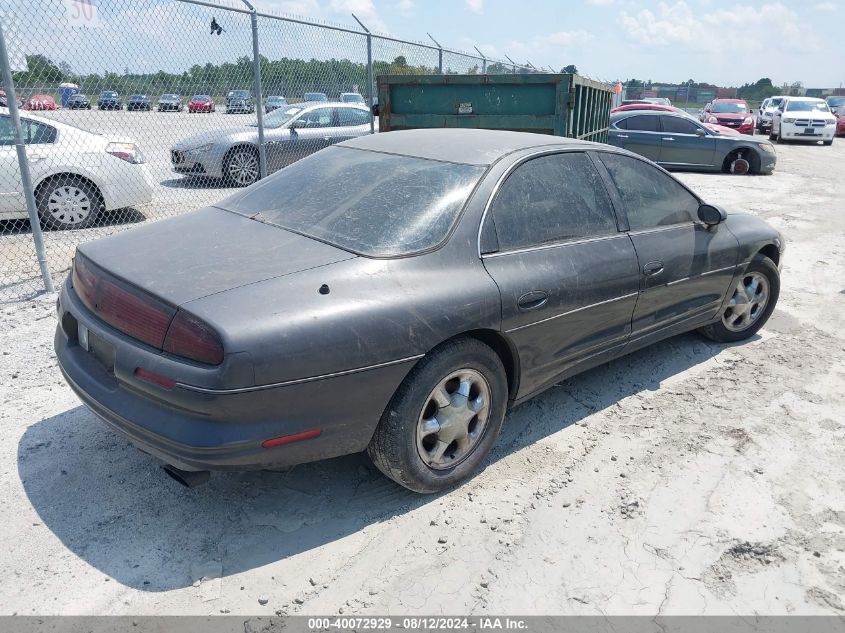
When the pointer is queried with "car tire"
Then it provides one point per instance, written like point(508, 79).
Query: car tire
point(744, 316)
point(780, 139)
point(83, 194)
point(404, 450)
point(830, 142)
point(241, 166)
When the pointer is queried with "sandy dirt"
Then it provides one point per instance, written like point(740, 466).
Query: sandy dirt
point(686, 478)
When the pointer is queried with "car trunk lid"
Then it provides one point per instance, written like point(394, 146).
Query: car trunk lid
point(205, 252)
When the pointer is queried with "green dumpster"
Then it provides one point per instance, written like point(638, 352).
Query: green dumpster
point(558, 104)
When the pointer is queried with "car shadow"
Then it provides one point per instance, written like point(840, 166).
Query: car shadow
point(117, 217)
point(113, 506)
point(194, 182)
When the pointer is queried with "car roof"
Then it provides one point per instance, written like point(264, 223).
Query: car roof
point(732, 100)
point(804, 98)
point(467, 146)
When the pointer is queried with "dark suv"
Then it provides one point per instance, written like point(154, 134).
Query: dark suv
point(240, 101)
point(109, 100)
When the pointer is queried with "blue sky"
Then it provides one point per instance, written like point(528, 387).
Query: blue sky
point(719, 41)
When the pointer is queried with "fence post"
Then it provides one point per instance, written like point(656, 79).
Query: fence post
point(483, 61)
point(23, 163)
point(259, 99)
point(369, 73)
point(439, 54)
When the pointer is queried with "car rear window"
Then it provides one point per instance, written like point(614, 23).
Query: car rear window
point(373, 204)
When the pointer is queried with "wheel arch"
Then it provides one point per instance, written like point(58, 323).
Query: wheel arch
point(771, 251)
point(743, 151)
point(503, 348)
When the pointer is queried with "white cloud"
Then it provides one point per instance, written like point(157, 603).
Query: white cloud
point(476, 6)
point(600, 3)
point(364, 9)
point(405, 8)
point(739, 30)
point(825, 6)
point(552, 48)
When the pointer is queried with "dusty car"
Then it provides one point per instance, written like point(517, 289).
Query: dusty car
point(290, 133)
point(733, 113)
point(396, 293)
point(678, 141)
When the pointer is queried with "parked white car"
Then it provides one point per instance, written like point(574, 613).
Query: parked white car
point(803, 119)
point(766, 112)
point(76, 174)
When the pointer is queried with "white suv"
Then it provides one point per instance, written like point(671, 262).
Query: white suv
point(76, 174)
point(803, 119)
point(766, 112)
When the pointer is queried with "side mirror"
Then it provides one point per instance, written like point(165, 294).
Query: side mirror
point(700, 132)
point(710, 215)
point(299, 123)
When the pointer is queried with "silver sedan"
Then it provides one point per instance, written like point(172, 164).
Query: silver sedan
point(290, 133)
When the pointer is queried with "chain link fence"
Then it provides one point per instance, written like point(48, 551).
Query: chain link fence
point(136, 110)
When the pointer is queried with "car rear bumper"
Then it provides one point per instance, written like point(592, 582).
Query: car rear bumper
point(125, 185)
point(216, 429)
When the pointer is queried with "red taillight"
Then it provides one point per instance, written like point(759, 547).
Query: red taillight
point(191, 338)
point(156, 379)
point(144, 317)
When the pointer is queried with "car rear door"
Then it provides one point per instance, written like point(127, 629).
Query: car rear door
point(352, 122)
point(568, 276)
point(685, 143)
point(638, 133)
point(11, 196)
point(685, 267)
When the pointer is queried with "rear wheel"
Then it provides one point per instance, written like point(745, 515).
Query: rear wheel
point(443, 420)
point(68, 202)
point(752, 302)
point(240, 168)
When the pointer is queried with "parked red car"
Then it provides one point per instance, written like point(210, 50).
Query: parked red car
point(715, 127)
point(40, 102)
point(201, 103)
point(732, 113)
point(840, 124)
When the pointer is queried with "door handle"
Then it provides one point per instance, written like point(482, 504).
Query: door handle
point(653, 268)
point(668, 138)
point(621, 136)
point(533, 300)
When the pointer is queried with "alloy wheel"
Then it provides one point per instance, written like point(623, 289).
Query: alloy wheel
point(243, 168)
point(453, 419)
point(69, 205)
point(748, 302)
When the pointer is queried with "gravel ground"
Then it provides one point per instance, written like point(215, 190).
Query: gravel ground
point(686, 478)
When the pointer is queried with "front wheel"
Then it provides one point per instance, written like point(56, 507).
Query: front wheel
point(443, 420)
point(241, 167)
point(830, 142)
point(752, 302)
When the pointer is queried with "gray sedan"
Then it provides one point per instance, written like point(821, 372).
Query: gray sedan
point(677, 141)
point(397, 293)
point(290, 133)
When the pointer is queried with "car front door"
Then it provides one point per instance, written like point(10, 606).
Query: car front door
point(685, 143)
point(568, 277)
point(639, 133)
point(685, 267)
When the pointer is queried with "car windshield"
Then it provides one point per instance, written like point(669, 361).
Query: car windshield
point(277, 118)
point(239, 94)
point(276, 99)
point(374, 204)
point(315, 96)
point(169, 96)
point(835, 102)
point(807, 106)
point(730, 108)
point(201, 98)
point(353, 98)
point(109, 94)
point(774, 103)
point(138, 97)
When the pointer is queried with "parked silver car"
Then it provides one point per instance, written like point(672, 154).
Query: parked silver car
point(290, 133)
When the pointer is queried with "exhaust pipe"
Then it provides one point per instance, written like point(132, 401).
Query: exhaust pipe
point(188, 478)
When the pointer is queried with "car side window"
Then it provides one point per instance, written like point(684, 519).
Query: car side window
point(321, 117)
point(642, 123)
point(348, 117)
point(652, 198)
point(7, 136)
point(552, 198)
point(38, 133)
point(678, 125)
